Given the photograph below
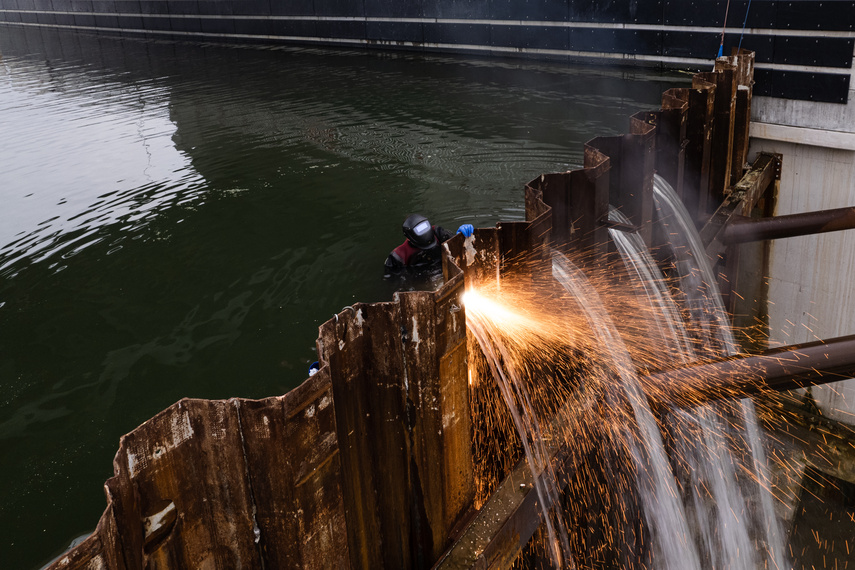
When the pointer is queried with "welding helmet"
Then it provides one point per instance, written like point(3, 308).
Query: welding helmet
point(419, 232)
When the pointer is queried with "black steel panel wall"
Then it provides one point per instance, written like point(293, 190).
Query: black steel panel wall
point(815, 38)
point(820, 87)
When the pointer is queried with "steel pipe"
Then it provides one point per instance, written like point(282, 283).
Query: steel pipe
point(742, 229)
point(778, 369)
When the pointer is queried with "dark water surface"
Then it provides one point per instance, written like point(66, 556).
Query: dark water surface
point(176, 220)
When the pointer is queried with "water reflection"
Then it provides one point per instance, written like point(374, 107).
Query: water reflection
point(178, 219)
point(71, 182)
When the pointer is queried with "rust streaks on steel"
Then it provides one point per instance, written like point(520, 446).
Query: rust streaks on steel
point(744, 78)
point(724, 108)
point(509, 518)
point(209, 483)
point(502, 527)
point(573, 203)
point(745, 194)
point(630, 183)
point(369, 410)
point(398, 373)
point(497, 533)
point(742, 229)
point(699, 124)
point(671, 123)
point(314, 478)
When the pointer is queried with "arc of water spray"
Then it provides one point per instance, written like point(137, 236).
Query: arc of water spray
point(671, 210)
point(538, 459)
point(659, 495)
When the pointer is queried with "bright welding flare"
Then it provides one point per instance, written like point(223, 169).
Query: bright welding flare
point(473, 300)
point(513, 314)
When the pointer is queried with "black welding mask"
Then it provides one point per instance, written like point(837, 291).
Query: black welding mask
point(419, 232)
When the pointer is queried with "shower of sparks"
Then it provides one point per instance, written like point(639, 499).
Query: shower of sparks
point(544, 385)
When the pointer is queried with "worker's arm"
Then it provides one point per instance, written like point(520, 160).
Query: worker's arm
point(394, 265)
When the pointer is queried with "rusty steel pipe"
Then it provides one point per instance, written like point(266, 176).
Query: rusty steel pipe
point(742, 229)
point(778, 369)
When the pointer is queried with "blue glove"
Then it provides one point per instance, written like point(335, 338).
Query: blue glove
point(466, 230)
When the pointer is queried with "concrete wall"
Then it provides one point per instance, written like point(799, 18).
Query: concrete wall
point(812, 278)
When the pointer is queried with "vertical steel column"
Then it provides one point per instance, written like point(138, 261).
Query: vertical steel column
point(631, 179)
point(699, 126)
point(722, 142)
point(744, 63)
point(671, 142)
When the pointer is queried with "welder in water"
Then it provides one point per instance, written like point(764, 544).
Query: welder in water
point(420, 254)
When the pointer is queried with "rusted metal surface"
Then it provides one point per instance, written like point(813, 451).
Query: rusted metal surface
point(636, 191)
point(172, 466)
point(189, 490)
point(743, 61)
point(399, 381)
point(576, 202)
point(366, 464)
point(501, 529)
point(743, 229)
point(631, 157)
point(671, 123)
point(760, 180)
point(494, 537)
point(538, 214)
point(739, 202)
point(435, 355)
point(363, 349)
point(721, 144)
point(296, 487)
point(699, 128)
point(504, 525)
point(100, 549)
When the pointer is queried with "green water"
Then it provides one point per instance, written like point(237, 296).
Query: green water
point(176, 220)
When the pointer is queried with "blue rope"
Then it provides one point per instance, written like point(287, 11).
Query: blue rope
point(723, 28)
point(743, 24)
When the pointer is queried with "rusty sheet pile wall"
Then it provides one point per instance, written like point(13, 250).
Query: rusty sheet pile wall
point(369, 463)
point(226, 484)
